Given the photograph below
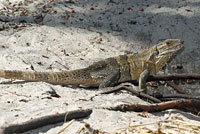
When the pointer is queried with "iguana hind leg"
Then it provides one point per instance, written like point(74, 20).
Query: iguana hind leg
point(142, 80)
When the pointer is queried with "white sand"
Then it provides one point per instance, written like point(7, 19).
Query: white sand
point(120, 29)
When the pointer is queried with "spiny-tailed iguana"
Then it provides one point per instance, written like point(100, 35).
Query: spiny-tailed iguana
point(107, 72)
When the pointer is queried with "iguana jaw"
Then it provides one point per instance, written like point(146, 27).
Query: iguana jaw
point(166, 51)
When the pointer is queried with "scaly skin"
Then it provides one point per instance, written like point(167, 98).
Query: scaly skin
point(108, 71)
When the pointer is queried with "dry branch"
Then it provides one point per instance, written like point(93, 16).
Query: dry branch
point(43, 121)
point(130, 88)
point(174, 77)
point(189, 105)
point(175, 96)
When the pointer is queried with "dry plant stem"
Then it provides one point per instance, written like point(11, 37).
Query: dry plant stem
point(172, 124)
point(184, 104)
point(175, 87)
point(132, 90)
point(62, 130)
point(43, 121)
point(17, 94)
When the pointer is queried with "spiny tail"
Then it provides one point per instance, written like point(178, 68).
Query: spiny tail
point(74, 77)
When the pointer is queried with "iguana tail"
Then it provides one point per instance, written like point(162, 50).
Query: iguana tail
point(74, 77)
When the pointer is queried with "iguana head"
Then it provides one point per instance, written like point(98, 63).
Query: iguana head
point(167, 50)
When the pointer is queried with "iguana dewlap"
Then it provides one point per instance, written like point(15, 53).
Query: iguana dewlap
point(107, 72)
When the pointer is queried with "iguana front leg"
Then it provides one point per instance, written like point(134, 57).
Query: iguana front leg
point(113, 77)
point(142, 80)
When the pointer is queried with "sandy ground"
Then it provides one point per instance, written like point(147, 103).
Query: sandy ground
point(62, 35)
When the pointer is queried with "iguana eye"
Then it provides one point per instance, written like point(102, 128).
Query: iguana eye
point(168, 43)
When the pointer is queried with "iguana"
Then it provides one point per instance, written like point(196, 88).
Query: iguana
point(110, 71)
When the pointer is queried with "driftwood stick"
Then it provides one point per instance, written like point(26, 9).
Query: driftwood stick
point(43, 121)
point(189, 105)
point(174, 77)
